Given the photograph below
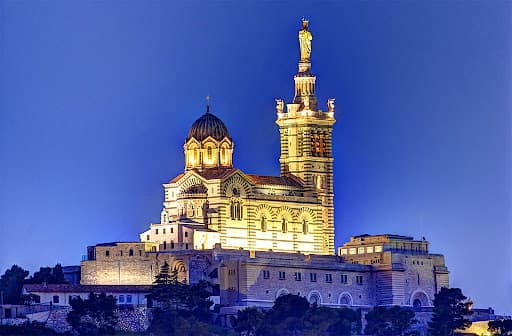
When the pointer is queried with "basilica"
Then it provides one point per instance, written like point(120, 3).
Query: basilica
point(256, 237)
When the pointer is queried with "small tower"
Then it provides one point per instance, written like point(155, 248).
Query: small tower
point(306, 138)
point(208, 144)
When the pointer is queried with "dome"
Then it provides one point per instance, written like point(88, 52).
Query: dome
point(208, 125)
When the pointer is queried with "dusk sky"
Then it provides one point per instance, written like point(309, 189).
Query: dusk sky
point(97, 97)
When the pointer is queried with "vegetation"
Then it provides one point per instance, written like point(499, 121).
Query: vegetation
point(181, 309)
point(293, 315)
point(11, 283)
point(393, 321)
point(93, 316)
point(450, 310)
point(501, 327)
point(27, 329)
point(49, 275)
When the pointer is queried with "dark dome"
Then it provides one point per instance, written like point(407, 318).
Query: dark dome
point(208, 125)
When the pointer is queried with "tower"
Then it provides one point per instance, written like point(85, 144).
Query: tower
point(306, 138)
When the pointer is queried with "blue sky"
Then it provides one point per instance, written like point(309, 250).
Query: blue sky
point(96, 99)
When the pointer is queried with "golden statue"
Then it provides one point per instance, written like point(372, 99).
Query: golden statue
point(305, 38)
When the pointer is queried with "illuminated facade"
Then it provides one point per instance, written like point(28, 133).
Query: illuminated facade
point(213, 202)
point(257, 237)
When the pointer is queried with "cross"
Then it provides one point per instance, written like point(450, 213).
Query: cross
point(208, 103)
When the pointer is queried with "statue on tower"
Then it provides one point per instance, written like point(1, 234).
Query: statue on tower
point(305, 39)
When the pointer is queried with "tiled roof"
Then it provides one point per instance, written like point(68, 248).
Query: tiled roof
point(290, 181)
point(66, 288)
point(215, 173)
point(177, 178)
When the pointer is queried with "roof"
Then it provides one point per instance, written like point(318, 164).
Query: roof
point(208, 125)
point(177, 178)
point(386, 235)
point(116, 243)
point(222, 173)
point(215, 173)
point(67, 288)
point(290, 181)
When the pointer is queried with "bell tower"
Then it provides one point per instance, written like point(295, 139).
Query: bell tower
point(306, 138)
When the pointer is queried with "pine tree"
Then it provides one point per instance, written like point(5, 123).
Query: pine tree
point(450, 309)
point(167, 290)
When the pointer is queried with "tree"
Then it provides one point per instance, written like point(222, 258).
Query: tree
point(27, 329)
point(93, 316)
point(167, 290)
point(348, 322)
point(11, 283)
point(500, 327)
point(394, 321)
point(197, 300)
point(181, 309)
point(247, 321)
point(50, 275)
point(286, 316)
point(450, 309)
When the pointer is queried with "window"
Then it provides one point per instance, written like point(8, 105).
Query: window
point(130, 253)
point(107, 253)
point(304, 226)
point(186, 246)
point(282, 275)
point(297, 276)
point(165, 245)
point(236, 209)
point(120, 299)
point(210, 154)
point(312, 277)
point(140, 253)
point(360, 250)
point(128, 299)
point(266, 274)
point(156, 231)
point(186, 233)
point(147, 237)
point(359, 279)
point(172, 244)
point(163, 231)
point(263, 223)
point(172, 230)
point(344, 251)
point(369, 249)
point(378, 249)
point(55, 299)
point(284, 225)
point(352, 250)
point(344, 279)
point(328, 278)
point(121, 253)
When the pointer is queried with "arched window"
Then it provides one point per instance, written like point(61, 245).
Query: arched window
point(315, 299)
point(130, 253)
point(209, 154)
point(304, 226)
point(107, 253)
point(165, 245)
point(236, 210)
point(263, 223)
point(172, 244)
point(416, 304)
point(284, 225)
